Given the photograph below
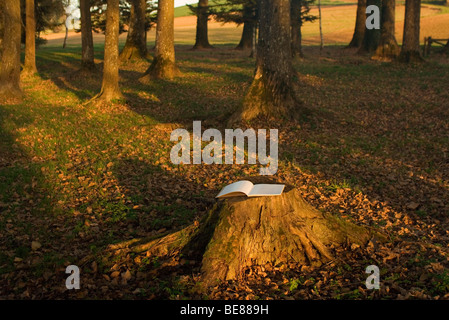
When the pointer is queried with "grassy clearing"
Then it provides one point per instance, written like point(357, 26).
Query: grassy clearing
point(372, 147)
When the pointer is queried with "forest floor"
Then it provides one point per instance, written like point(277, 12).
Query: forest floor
point(372, 147)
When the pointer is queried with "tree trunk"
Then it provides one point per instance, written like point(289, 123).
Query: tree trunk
point(296, 29)
point(246, 41)
point(10, 64)
point(110, 86)
point(65, 36)
point(163, 65)
point(320, 21)
point(30, 40)
point(271, 93)
point(410, 43)
point(388, 48)
point(359, 31)
point(136, 45)
point(202, 39)
point(371, 37)
point(2, 27)
point(87, 43)
point(241, 232)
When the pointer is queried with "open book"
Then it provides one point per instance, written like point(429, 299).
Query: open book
point(242, 188)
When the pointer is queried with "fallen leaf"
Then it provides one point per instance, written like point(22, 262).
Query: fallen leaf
point(35, 245)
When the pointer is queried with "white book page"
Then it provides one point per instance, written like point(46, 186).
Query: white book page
point(236, 187)
point(266, 190)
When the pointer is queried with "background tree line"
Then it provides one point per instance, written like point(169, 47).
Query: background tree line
point(279, 40)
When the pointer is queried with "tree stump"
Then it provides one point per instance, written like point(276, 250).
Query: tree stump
point(241, 232)
point(276, 230)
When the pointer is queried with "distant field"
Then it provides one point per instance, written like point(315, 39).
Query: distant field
point(184, 11)
point(338, 19)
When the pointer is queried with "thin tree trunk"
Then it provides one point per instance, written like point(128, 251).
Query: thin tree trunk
point(163, 65)
point(246, 41)
point(110, 87)
point(410, 43)
point(136, 45)
point(271, 93)
point(388, 48)
point(30, 39)
point(296, 29)
point(2, 27)
point(202, 39)
point(65, 36)
point(10, 64)
point(359, 31)
point(371, 37)
point(87, 62)
point(321, 27)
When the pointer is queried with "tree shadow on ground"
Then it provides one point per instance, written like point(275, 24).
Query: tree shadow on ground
point(160, 202)
point(24, 196)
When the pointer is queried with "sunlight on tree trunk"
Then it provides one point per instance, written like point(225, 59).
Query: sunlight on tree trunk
point(271, 93)
point(10, 90)
point(136, 45)
point(163, 65)
point(110, 86)
point(29, 67)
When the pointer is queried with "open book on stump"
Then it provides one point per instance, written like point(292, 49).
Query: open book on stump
point(247, 188)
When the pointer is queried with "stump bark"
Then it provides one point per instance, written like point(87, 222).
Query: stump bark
point(241, 232)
